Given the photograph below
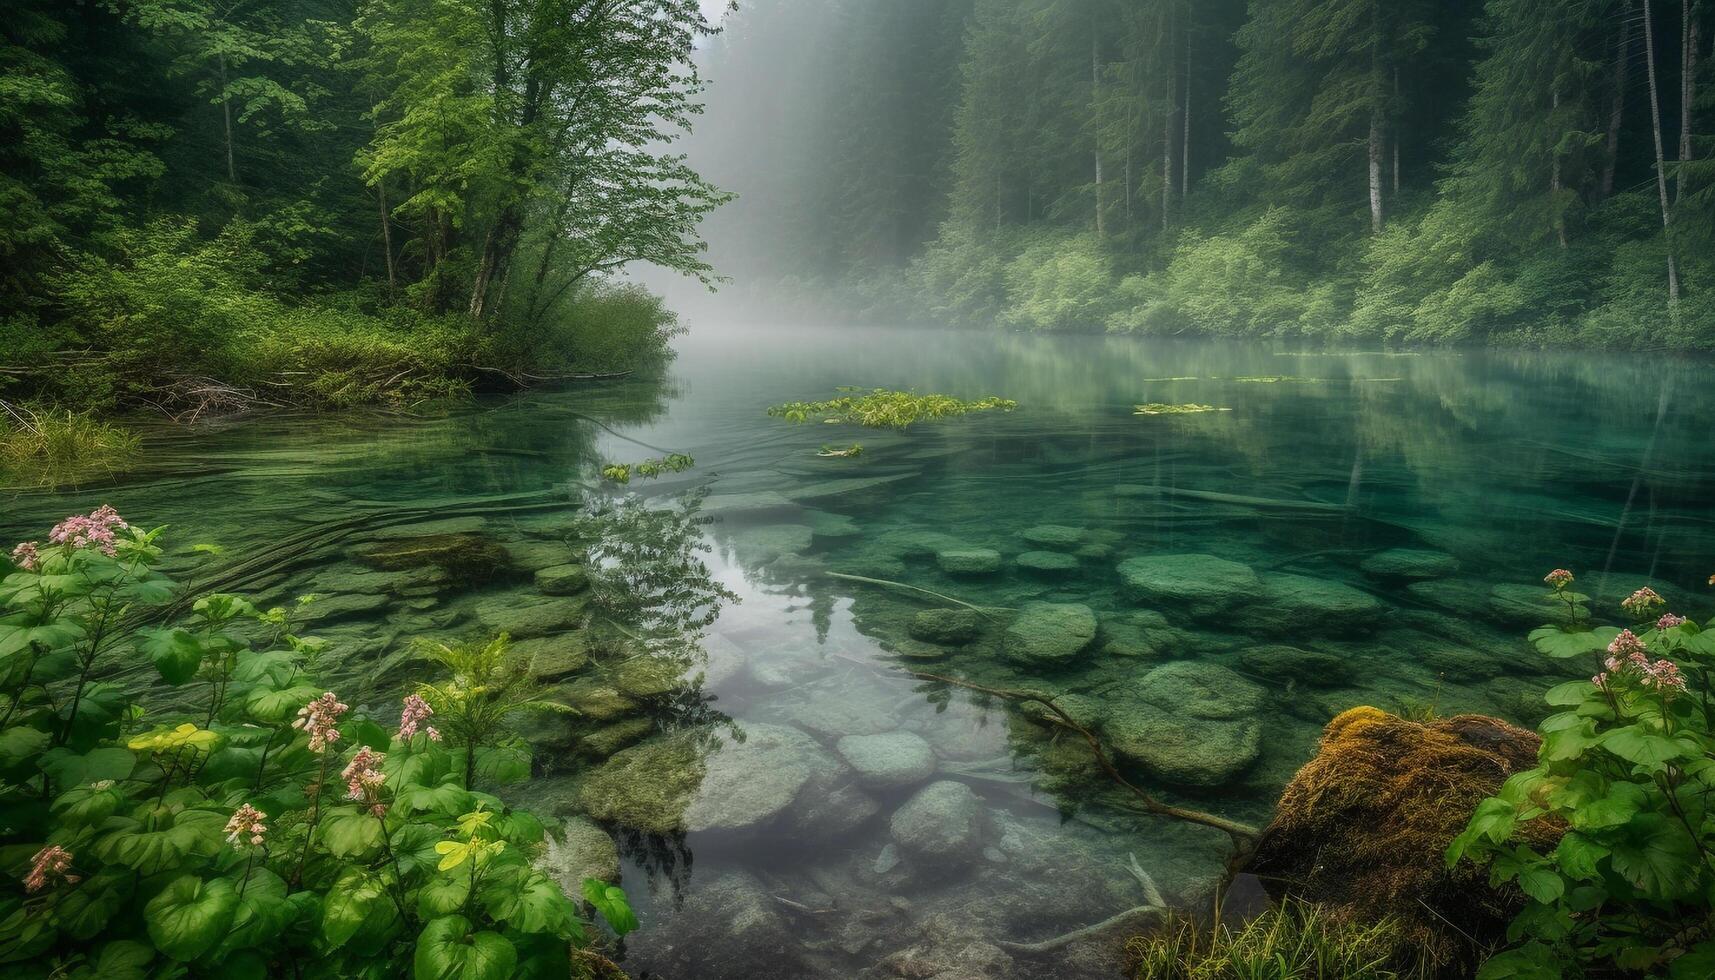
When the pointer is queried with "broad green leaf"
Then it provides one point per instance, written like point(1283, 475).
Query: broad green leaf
point(1532, 961)
point(152, 851)
point(350, 833)
point(1656, 856)
point(87, 805)
point(1621, 802)
point(504, 764)
point(610, 901)
point(16, 638)
point(1578, 856)
point(1696, 963)
point(1569, 693)
point(1562, 643)
point(442, 894)
point(1647, 749)
point(271, 707)
point(19, 746)
point(1542, 884)
point(263, 912)
point(68, 768)
point(531, 903)
point(349, 905)
point(448, 949)
point(85, 911)
point(176, 653)
point(448, 797)
point(190, 915)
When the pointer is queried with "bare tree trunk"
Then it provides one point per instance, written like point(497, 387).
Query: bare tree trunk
point(1395, 141)
point(1185, 136)
point(1660, 161)
point(1554, 176)
point(1096, 101)
point(1617, 109)
point(1687, 90)
point(386, 231)
point(1167, 131)
point(226, 113)
point(1378, 122)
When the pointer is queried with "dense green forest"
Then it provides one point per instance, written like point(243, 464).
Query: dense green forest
point(1508, 171)
point(225, 202)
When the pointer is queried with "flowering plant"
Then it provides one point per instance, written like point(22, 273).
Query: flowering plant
point(269, 829)
point(1626, 767)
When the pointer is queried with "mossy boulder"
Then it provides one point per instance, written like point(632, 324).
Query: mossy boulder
point(524, 617)
point(943, 823)
point(1300, 605)
point(915, 543)
point(1409, 565)
point(608, 739)
point(335, 608)
point(1056, 537)
point(968, 562)
point(594, 700)
point(581, 849)
point(1049, 634)
point(550, 658)
point(1046, 564)
point(1363, 827)
point(467, 557)
point(562, 579)
point(948, 626)
point(1198, 586)
point(1286, 663)
point(645, 676)
point(1188, 723)
point(647, 787)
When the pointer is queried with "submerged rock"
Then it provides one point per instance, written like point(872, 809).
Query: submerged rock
point(728, 928)
point(332, 609)
point(1048, 634)
point(827, 808)
point(888, 760)
point(465, 556)
point(969, 561)
point(1199, 586)
point(562, 579)
point(1286, 663)
point(608, 739)
point(581, 850)
point(553, 657)
point(1190, 723)
point(943, 822)
point(1410, 564)
point(523, 617)
point(1058, 537)
point(1362, 828)
point(1299, 605)
point(761, 545)
point(832, 527)
point(949, 626)
point(1047, 564)
point(647, 787)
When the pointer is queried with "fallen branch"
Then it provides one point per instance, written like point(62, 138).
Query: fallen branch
point(1058, 942)
point(889, 583)
point(1242, 834)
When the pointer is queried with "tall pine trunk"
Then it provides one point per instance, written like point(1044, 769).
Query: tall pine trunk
point(1168, 48)
point(1095, 103)
point(226, 115)
point(1554, 182)
point(1378, 121)
point(386, 232)
point(1660, 161)
point(1689, 40)
point(1185, 134)
point(1617, 109)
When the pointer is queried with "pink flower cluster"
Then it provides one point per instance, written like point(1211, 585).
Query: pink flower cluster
point(95, 529)
point(26, 557)
point(1669, 621)
point(1642, 603)
point(320, 719)
point(1627, 655)
point(363, 776)
point(50, 862)
point(1560, 578)
point(416, 712)
point(246, 822)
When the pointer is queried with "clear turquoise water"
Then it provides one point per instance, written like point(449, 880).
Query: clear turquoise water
point(1504, 465)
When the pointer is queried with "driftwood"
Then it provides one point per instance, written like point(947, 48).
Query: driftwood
point(1130, 915)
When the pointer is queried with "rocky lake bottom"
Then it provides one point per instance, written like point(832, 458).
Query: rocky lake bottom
point(755, 751)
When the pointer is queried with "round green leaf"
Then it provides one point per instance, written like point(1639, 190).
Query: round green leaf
point(190, 915)
point(447, 949)
point(176, 653)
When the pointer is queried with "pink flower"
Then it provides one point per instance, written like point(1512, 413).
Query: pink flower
point(1560, 578)
point(94, 530)
point(1642, 603)
point(416, 712)
point(1627, 646)
point(49, 862)
point(1601, 681)
point(246, 823)
point(26, 557)
point(363, 775)
point(320, 718)
point(1669, 621)
point(1664, 676)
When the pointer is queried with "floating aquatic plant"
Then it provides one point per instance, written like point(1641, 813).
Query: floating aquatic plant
point(1189, 408)
point(648, 469)
point(880, 408)
point(848, 452)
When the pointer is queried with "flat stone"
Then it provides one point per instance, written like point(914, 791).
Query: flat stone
point(465, 556)
point(332, 609)
point(828, 808)
point(737, 504)
point(1202, 752)
point(1201, 690)
point(562, 579)
point(581, 850)
point(746, 784)
point(949, 626)
point(1302, 605)
point(1200, 586)
point(832, 527)
point(523, 617)
point(1410, 564)
point(1048, 634)
point(1057, 537)
point(594, 700)
point(647, 676)
point(553, 657)
point(1287, 663)
point(1047, 564)
point(761, 545)
point(969, 561)
point(608, 739)
point(888, 760)
point(943, 822)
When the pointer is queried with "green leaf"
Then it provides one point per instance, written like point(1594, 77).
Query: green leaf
point(1616, 808)
point(68, 768)
point(1656, 856)
point(504, 764)
point(20, 745)
point(86, 806)
point(176, 653)
point(85, 911)
point(1696, 963)
point(190, 915)
point(442, 894)
point(263, 912)
point(447, 949)
point(1541, 884)
point(1532, 961)
point(1647, 749)
point(270, 707)
point(350, 903)
point(123, 959)
point(350, 833)
point(1578, 856)
point(534, 903)
point(160, 849)
point(610, 901)
point(1569, 693)
point(447, 797)
point(1562, 643)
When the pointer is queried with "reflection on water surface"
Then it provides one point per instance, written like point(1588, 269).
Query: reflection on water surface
point(1204, 589)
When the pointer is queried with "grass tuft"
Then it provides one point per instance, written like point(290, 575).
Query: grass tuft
point(1293, 940)
point(56, 447)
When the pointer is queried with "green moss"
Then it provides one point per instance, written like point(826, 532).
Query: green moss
point(883, 409)
point(1190, 408)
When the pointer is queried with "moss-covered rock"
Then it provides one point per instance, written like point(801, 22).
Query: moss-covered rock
point(467, 557)
point(1049, 634)
point(562, 579)
point(1363, 827)
point(761, 545)
point(1410, 564)
point(550, 658)
point(1189, 723)
point(1056, 537)
point(1199, 586)
point(524, 617)
point(1047, 564)
point(649, 786)
point(1287, 663)
point(581, 849)
point(948, 626)
point(943, 823)
point(1300, 605)
point(968, 562)
point(888, 760)
point(595, 700)
point(609, 739)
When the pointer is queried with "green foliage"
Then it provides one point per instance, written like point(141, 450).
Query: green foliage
point(1189, 408)
point(269, 829)
point(649, 469)
point(1625, 769)
point(52, 448)
point(835, 452)
point(1290, 940)
point(883, 409)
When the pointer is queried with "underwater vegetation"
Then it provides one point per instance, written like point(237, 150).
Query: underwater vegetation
point(261, 825)
point(1189, 408)
point(648, 469)
point(883, 409)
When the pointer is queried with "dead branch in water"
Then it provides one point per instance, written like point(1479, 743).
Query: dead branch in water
point(1058, 942)
point(889, 583)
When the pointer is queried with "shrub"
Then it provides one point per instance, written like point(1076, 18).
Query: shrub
point(266, 828)
point(1626, 768)
point(1059, 283)
point(1290, 941)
